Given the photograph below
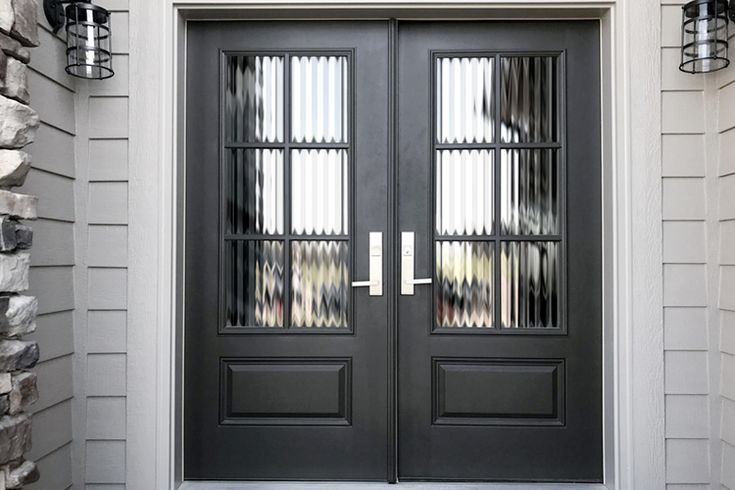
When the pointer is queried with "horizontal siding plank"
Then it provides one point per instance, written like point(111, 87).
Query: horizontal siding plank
point(114, 5)
point(671, 26)
point(683, 199)
point(687, 461)
point(108, 245)
point(54, 287)
point(55, 334)
point(727, 383)
point(51, 430)
point(684, 242)
point(671, 77)
point(674, 486)
point(683, 155)
point(727, 152)
point(106, 374)
point(105, 462)
point(108, 289)
point(51, 60)
point(108, 160)
point(119, 22)
point(686, 373)
point(53, 243)
point(108, 117)
point(685, 328)
point(727, 99)
point(728, 421)
point(727, 242)
point(106, 418)
point(682, 112)
point(54, 102)
point(106, 332)
point(687, 416)
point(727, 196)
point(53, 151)
point(56, 191)
point(728, 465)
point(108, 203)
point(727, 287)
point(685, 285)
point(55, 383)
point(55, 470)
point(117, 85)
point(727, 331)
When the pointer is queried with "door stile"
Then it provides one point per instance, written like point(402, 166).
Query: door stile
point(393, 251)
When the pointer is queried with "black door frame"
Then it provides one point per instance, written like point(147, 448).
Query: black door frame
point(392, 248)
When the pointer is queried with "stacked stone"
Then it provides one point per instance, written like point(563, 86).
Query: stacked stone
point(18, 125)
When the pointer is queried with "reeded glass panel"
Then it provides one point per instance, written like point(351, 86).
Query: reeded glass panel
point(529, 192)
point(319, 283)
point(254, 191)
point(529, 284)
point(464, 192)
point(319, 99)
point(465, 104)
point(254, 98)
point(319, 192)
point(254, 287)
point(464, 290)
point(528, 99)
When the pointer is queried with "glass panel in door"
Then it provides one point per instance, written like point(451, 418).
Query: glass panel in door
point(286, 238)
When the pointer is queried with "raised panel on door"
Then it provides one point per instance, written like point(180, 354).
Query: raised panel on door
point(499, 181)
point(285, 362)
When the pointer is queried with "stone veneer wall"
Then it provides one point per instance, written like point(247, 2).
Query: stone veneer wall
point(18, 125)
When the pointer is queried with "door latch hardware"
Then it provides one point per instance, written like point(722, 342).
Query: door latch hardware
point(407, 264)
point(375, 283)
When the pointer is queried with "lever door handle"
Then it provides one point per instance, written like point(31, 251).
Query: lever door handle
point(375, 283)
point(364, 284)
point(407, 265)
point(418, 281)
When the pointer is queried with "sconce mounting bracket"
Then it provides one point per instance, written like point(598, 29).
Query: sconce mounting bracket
point(54, 10)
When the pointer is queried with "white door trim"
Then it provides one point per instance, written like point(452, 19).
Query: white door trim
point(634, 415)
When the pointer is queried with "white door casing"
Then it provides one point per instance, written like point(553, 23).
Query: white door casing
point(633, 336)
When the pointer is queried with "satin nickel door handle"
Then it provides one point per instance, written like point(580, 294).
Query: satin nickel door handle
point(407, 265)
point(375, 283)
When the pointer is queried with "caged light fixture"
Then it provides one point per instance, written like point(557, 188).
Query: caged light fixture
point(88, 47)
point(704, 35)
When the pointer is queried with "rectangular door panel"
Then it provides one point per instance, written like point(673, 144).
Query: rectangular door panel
point(498, 391)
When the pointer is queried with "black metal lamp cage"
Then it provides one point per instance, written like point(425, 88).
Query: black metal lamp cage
point(704, 35)
point(88, 37)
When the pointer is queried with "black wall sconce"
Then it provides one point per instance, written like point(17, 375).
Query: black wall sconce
point(88, 47)
point(704, 35)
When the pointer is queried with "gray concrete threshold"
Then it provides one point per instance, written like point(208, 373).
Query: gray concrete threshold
point(384, 486)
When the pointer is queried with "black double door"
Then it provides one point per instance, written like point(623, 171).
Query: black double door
point(393, 251)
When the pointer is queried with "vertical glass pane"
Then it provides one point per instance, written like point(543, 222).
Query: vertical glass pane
point(465, 105)
point(528, 99)
point(319, 284)
point(464, 192)
point(254, 191)
point(464, 278)
point(529, 192)
point(254, 98)
point(319, 192)
point(254, 284)
point(319, 99)
point(529, 284)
